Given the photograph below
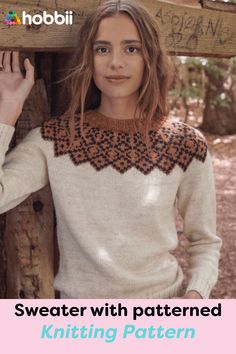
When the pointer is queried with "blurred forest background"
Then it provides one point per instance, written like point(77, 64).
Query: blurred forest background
point(204, 96)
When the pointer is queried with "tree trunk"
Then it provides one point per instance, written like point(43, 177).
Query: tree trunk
point(219, 116)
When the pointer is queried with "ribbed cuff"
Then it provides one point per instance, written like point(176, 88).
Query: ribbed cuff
point(6, 133)
point(201, 285)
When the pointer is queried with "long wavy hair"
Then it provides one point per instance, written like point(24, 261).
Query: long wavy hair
point(152, 98)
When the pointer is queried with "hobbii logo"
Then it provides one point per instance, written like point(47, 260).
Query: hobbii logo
point(48, 19)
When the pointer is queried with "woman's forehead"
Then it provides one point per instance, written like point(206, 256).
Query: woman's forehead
point(118, 26)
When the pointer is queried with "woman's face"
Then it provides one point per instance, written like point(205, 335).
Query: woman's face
point(118, 59)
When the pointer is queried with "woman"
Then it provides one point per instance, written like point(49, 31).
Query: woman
point(116, 165)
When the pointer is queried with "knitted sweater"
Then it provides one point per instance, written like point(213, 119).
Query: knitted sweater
point(115, 203)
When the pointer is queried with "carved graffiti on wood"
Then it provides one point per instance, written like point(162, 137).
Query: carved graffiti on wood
point(186, 31)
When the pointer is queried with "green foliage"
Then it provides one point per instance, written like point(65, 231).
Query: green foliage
point(195, 85)
point(197, 62)
point(221, 102)
point(214, 68)
point(221, 70)
point(187, 92)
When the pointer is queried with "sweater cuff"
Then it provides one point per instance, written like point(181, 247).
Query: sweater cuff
point(200, 285)
point(6, 133)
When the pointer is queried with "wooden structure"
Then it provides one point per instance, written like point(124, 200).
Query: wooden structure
point(27, 232)
point(184, 30)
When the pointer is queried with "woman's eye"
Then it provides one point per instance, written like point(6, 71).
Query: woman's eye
point(132, 49)
point(101, 50)
point(105, 50)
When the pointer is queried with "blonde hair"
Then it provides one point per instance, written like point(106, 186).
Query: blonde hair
point(152, 99)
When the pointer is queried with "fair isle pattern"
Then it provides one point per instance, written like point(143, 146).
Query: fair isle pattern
point(172, 143)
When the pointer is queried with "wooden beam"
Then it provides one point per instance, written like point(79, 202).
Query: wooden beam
point(184, 30)
point(193, 31)
point(218, 5)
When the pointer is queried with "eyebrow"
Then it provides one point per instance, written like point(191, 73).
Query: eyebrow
point(126, 41)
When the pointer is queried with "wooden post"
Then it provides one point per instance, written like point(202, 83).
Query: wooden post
point(29, 233)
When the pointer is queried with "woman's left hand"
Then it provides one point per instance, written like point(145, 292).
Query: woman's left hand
point(192, 294)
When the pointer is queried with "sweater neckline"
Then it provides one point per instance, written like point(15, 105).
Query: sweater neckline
point(175, 144)
point(98, 120)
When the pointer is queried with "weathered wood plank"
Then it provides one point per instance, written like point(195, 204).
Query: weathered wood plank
point(218, 5)
point(197, 32)
point(29, 233)
point(184, 30)
point(43, 37)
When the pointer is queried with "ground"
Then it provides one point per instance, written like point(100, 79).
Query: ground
point(223, 151)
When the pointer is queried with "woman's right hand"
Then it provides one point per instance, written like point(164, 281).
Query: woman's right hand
point(14, 87)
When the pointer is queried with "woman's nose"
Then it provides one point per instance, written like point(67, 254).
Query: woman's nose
point(117, 59)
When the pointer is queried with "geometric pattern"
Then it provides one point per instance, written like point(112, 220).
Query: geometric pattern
point(12, 19)
point(172, 143)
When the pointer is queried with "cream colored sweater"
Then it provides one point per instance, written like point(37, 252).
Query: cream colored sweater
point(115, 203)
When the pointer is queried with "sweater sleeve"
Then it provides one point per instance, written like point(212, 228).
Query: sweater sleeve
point(196, 201)
point(23, 170)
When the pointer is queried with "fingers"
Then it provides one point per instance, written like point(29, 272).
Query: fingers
point(29, 70)
point(9, 61)
point(1, 57)
point(6, 62)
point(15, 62)
point(28, 83)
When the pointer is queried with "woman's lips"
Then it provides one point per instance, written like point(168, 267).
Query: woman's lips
point(117, 79)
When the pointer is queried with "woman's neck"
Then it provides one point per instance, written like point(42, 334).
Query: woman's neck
point(118, 109)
